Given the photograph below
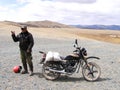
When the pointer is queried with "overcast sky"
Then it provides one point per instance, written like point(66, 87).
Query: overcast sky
point(85, 12)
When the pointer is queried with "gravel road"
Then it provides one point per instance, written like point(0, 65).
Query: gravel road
point(109, 63)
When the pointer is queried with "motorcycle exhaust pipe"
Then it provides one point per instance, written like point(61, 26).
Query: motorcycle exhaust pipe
point(61, 71)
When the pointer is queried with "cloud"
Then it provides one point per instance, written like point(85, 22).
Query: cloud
point(77, 1)
point(63, 11)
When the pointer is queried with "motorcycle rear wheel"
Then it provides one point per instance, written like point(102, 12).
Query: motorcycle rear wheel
point(49, 75)
point(91, 72)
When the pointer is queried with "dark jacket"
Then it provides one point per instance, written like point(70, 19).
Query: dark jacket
point(25, 39)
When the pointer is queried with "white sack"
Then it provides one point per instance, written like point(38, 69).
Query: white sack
point(52, 56)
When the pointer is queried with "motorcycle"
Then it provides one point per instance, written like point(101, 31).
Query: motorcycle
point(54, 65)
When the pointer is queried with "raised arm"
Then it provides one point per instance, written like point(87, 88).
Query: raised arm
point(14, 37)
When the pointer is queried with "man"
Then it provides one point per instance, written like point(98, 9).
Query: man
point(26, 43)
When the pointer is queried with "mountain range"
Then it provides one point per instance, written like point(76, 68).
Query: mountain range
point(103, 27)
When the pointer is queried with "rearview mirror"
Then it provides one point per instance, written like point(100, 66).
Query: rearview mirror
point(76, 41)
point(74, 45)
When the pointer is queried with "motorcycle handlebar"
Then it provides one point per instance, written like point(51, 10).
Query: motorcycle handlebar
point(76, 46)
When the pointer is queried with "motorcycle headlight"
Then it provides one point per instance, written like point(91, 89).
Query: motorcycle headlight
point(84, 51)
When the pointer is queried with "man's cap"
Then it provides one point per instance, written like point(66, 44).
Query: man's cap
point(24, 27)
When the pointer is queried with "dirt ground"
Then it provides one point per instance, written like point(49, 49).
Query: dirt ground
point(60, 40)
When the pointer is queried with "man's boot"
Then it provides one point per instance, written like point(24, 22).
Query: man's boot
point(25, 71)
point(31, 70)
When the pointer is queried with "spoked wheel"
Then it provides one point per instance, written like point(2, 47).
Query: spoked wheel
point(91, 72)
point(50, 75)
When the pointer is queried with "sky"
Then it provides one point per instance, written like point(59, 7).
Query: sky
point(70, 12)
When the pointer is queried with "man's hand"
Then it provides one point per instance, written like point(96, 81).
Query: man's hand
point(13, 32)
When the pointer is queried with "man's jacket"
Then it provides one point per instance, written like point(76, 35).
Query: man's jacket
point(25, 39)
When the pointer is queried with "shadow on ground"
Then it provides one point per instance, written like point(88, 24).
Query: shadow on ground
point(103, 79)
point(75, 79)
point(40, 75)
point(69, 79)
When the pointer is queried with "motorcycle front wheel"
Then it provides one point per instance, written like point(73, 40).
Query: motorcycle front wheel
point(49, 75)
point(91, 72)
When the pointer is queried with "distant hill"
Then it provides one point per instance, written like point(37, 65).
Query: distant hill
point(40, 24)
point(104, 27)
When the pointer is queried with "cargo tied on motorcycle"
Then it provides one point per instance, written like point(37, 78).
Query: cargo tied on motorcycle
point(52, 56)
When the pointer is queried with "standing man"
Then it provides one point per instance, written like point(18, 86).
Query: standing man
point(26, 43)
